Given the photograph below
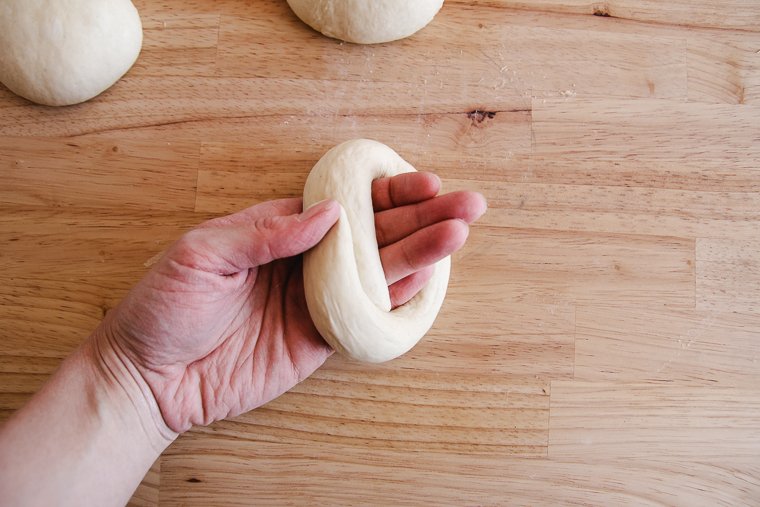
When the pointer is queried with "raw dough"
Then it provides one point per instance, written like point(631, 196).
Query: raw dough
point(366, 21)
point(62, 52)
point(346, 291)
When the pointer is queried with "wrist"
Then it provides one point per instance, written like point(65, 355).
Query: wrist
point(120, 388)
point(91, 431)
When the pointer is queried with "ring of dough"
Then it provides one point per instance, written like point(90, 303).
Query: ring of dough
point(345, 286)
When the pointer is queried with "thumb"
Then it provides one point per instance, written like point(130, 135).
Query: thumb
point(232, 248)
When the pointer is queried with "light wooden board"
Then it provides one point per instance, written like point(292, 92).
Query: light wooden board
point(85, 173)
point(638, 422)
point(728, 275)
point(637, 344)
point(735, 14)
point(147, 494)
point(599, 342)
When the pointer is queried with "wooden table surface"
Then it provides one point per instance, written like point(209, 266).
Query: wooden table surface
point(600, 344)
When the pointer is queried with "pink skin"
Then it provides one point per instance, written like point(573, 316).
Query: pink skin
point(220, 326)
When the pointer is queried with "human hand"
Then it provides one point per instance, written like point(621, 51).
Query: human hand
point(220, 326)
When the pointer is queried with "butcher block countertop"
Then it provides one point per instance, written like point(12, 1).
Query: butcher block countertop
point(600, 343)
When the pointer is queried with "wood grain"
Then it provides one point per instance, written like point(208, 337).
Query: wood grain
point(349, 476)
point(147, 494)
point(533, 265)
point(599, 341)
point(494, 57)
point(724, 68)
point(362, 411)
point(85, 168)
point(728, 273)
point(249, 166)
point(732, 14)
point(696, 347)
point(653, 422)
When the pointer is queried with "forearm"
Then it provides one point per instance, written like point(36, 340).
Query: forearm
point(87, 438)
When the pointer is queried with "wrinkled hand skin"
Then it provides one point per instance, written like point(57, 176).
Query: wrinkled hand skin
point(210, 343)
point(220, 325)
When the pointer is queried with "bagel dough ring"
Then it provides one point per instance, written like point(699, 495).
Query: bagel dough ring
point(63, 52)
point(345, 285)
point(366, 21)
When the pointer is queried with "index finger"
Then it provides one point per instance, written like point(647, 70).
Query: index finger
point(403, 189)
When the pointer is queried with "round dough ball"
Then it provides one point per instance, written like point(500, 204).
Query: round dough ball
point(62, 52)
point(344, 282)
point(366, 21)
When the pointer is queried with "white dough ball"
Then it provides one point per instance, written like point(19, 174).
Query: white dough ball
point(366, 21)
point(62, 52)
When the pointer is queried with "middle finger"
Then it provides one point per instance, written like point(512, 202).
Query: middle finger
point(397, 223)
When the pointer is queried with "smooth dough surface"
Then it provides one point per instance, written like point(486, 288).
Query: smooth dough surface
point(62, 52)
point(366, 21)
point(345, 286)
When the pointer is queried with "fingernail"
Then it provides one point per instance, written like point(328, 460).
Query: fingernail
point(315, 209)
point(485, 204)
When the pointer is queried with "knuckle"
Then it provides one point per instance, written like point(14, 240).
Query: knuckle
point(266, 223)
point(186, 249)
